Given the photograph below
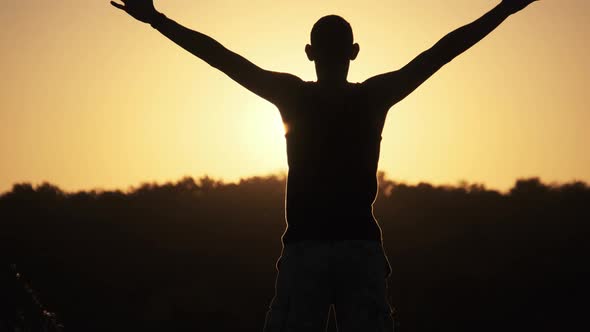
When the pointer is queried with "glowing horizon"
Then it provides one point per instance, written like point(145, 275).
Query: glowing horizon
point(93, 99)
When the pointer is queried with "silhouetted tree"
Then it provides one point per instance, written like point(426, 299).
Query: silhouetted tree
point(200, 254)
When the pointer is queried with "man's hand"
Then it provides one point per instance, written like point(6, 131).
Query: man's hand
point(514, 6)
point(141, 10)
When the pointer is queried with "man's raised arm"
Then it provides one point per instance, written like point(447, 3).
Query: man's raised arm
point(272, 86)
point(390, 88)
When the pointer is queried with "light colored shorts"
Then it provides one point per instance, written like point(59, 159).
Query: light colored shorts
point(350, 275)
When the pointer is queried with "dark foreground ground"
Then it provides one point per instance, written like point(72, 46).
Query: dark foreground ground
point(200, 256)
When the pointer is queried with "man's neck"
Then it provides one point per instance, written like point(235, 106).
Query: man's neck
point(332, 83)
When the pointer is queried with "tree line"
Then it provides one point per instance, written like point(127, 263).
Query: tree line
point(200, 254)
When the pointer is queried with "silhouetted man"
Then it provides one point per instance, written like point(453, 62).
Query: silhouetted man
point(332, 247)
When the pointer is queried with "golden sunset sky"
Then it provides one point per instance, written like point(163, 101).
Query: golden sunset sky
point(90, 98)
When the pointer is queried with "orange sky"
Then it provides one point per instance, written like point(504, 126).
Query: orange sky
point(91, 98)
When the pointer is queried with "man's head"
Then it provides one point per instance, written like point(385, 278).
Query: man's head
point(332, 47)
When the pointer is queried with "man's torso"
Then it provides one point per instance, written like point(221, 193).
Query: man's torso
point(333, 141)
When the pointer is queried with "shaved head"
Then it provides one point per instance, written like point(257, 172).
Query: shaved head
point(331, 33)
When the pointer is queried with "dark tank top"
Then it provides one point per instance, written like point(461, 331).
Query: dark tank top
point(333, 138)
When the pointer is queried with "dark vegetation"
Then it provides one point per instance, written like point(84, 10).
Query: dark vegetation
point(200, 255)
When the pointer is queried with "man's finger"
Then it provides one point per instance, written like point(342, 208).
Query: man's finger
point(118, 5)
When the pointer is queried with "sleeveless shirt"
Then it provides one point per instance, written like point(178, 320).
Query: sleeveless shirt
point(333, 140)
